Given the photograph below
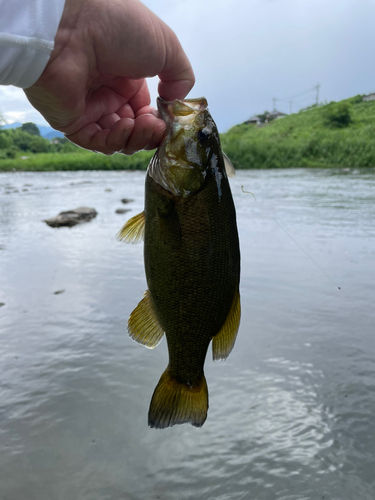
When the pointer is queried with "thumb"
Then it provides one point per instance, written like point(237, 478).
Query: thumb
point(177, 76)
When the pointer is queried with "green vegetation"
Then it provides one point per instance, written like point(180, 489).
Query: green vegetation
point(335, 134)
point(24, 149)
point(83, 160)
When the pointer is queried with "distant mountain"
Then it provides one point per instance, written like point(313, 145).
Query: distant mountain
point(45, 131)
point(52, 135)
point(12, 125)
point(49, 132)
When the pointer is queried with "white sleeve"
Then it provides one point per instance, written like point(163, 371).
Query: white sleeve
point(27, 33)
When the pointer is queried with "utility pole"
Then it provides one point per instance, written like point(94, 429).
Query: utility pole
point(274, 103)
point(290, 107)
point(317, 94)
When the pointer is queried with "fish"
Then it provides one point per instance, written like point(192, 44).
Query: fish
point(191, 258)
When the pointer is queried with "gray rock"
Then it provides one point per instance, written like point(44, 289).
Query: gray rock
point(72, 217)
point(2, 304)
point(108, 190)
point(122, 210)
point(58, 292)
point(126, 200)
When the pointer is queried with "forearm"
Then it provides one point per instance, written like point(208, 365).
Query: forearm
point(27, 33)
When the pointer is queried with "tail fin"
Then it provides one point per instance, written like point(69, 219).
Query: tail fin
point(175, 403)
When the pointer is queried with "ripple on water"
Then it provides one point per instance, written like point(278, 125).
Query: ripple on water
point(291, 410)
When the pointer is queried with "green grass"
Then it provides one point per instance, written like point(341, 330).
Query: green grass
point(304, 139)
point(80, 160)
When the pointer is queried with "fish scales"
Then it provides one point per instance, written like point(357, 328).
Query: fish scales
point(187, 278)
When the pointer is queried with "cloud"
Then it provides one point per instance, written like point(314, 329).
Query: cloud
point(244, 53)
point(14, 107)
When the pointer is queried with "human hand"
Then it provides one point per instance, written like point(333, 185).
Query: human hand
point(93, 88)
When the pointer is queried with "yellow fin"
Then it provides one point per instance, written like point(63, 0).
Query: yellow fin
point(178, 403)
point(223, 342)
point(143, 325)
point(133, 230)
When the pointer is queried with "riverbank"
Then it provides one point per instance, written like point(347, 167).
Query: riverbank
point(80, 160)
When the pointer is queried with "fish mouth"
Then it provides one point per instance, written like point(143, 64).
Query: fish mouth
point(181, 110)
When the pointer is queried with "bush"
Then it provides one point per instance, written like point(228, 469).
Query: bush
point(337, 115)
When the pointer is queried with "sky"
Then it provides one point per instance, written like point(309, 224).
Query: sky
point(246, 52)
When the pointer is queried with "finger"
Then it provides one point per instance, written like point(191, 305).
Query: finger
point(119, 135)
point(104, 102)
point(177, 76)
point(157, 136)
point(106, 141)
point(141, 98)
point(126, 112)
point(142, 134)
point(148, 110)
point(91, 137)
point(109, 120)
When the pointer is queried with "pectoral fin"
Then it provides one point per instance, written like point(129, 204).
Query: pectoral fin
point(133, 230)
point(143, 325)
point(229, 168)
point(223, 342)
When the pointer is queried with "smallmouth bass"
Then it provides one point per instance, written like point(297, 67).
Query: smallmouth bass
point(192, 260)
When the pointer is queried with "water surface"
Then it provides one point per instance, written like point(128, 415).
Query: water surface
point(291, 410)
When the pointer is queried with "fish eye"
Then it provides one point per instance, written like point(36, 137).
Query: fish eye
point(204, 134)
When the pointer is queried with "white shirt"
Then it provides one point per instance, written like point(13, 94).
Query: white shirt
point(27, 33)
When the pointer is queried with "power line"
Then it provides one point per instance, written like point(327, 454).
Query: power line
point(290, 100)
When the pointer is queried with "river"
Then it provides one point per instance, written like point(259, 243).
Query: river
point(292, 409)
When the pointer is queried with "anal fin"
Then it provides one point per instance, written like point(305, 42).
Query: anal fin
point(143, 325)
point(133, 230)
point(223, 342)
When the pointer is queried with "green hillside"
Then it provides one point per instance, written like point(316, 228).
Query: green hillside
point(337, 134)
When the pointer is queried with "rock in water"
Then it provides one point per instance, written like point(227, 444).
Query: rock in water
point(126, 200)
point(122, 210)
point(72, 217)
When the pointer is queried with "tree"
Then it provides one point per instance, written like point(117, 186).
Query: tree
point(30, 128)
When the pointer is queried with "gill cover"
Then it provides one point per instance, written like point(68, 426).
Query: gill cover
point(180, 164)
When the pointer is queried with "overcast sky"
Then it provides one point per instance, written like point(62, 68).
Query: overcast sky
point(245, 52)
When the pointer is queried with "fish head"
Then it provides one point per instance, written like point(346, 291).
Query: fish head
point(181, 162)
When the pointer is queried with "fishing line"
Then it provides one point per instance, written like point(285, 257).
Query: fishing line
point(291, 237)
